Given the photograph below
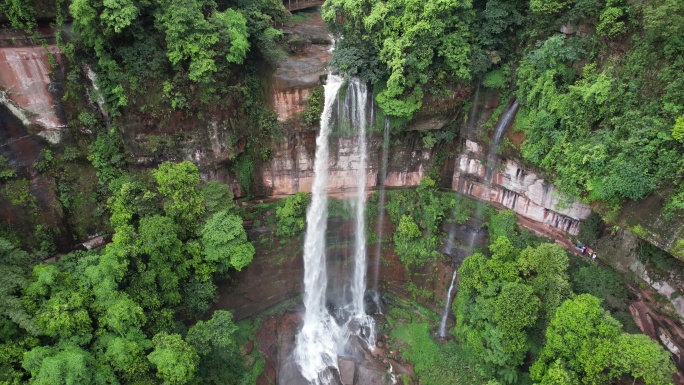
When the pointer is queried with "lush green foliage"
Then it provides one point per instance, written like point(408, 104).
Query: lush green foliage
point(418, 214)
point(20, 13)
point(608, 286)
point(174, 43)
point(586, 345)
point(660, 264)
point(515, 304)
point(292, 215)
point(6, 172)
point(106, 155)
point(416, 43)
point(115, 316)
point(225, 241)
point(218, 197)
point(16, 266)
point(314, 106)
point(606, 128)
point(590, 228)
point(178, 184)
point(435, 363)
point(505, 300)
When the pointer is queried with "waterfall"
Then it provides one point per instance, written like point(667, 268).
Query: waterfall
point(359, 93)
point(504, 122)
point(381, 213)
point(499, 130)
point(323, 336)
point(466, 133)
point(316, 348)
point(355, 114)
point(445, 314)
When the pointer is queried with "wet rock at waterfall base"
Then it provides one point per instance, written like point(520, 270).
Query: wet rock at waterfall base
point(347, 370)
point(276, 337)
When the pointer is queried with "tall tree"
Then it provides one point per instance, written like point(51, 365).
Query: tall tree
point(588, 343)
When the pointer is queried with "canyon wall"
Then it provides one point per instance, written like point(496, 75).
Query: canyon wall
point(28, 85)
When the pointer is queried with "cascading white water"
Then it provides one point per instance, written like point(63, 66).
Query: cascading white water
point(359, 92)
point(355, 108)
point(321, 338)
point(445, 314)
point(499, 130)
point(316, 343)
point(504, 122)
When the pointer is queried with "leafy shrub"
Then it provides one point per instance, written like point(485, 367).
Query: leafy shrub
point(218, 197)
point(225, 241)
point(314, 106)
point(418, 214)
point(292, 215)
point(502, 223)
point(661, 264)
point(87, 119)
point(678, 129)
point(6, 172)
point(436, 364)
point(244, 168)
point(497, 78)
point(411, 245)
point(45, 161)
point(106, 155)
point(607, 285)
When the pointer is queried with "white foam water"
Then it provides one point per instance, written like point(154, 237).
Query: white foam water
point(316, 343)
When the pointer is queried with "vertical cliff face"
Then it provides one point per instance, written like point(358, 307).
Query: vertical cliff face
point(28, 89)
point(30, 198)
point(290, 169)
point(305, 66)
point(514, 187)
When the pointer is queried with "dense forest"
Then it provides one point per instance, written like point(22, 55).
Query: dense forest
point(601, 90)
point(602, 104)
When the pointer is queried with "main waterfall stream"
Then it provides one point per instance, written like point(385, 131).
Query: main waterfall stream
point(323, 337)
point(316, 346)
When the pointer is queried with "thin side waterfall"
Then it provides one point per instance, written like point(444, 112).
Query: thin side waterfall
point(381, 213)
point(469, 127)
point(499, 130)
point(316, 348)
point(504, 122)
point(445, 314)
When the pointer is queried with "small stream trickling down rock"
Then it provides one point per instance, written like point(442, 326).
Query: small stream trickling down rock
point(492, 160)
point(499, 130)
point(441, 332)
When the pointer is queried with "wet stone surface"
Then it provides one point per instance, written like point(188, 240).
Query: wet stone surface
point(276, 341)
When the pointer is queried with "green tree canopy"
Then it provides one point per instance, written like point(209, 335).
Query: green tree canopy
point(225, 241)
point(178, 183)
point(176, 361)
point(586, 341)
point(418, 43)
point(16, 266)
point(504, 300)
